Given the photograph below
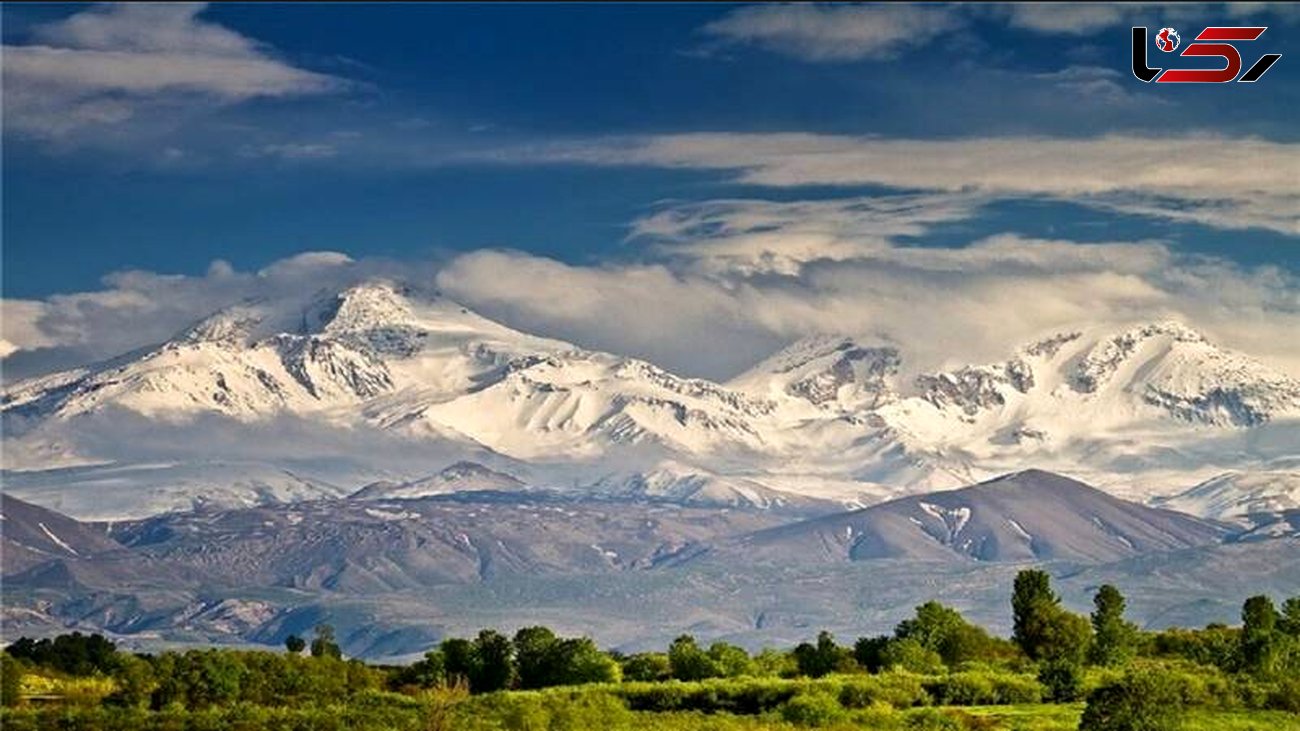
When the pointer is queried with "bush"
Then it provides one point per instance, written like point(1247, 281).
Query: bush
point(1285, 696)
point(1062, 681)
point(1142, 701)
point(962, 689)
point(813, 709)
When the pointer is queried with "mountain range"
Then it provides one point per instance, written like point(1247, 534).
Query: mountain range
point(395, 574)
point(385, 387)
point(386, 459)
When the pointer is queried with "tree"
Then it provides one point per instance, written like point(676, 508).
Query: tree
point(732, 661)
point(1141, 701)
point(943, 630)
point(1260, 645)
point(1032, 599)
point(134, 678)
point(493, 667)
point(910, 655)
point(869, 652)
point(1113, 637)
point(647, 667)
point(324, 644)
point(536, 656)
point(1043, 629)
point(295, 644)
point(689, 662)
point(580, 661)
point(823, 658)
point(457, 659)
point(11, 678)
point(1290, 621)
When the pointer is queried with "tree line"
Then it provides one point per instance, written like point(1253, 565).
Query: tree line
point(1049, 641)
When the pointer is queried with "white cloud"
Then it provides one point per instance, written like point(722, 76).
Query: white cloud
point(138, 308)
point(941, 306)
point(834, 33)
point(712, 297)
point(755, 236)
point(105, 65)
point(1071, 19)
point(1219, 181)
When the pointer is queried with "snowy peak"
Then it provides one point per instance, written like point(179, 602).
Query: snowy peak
point(826, 371)
point(463, 476)
point(361, 308)
point(1082, 381)
point(1240, 496)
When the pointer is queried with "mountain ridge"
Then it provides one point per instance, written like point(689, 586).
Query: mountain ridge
point(1150, 408)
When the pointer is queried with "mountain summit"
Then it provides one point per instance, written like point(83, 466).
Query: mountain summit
point(423, 381)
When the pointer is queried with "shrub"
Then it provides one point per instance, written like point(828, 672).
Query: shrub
point(1062, 681)
point(1142, 701)
point(812, 709)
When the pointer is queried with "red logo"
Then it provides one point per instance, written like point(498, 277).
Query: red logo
point(1167, 40)
point(1213, 42)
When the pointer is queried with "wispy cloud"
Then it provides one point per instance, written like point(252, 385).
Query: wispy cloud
point(834, 33)
point(106, 65)
point(1218, 181)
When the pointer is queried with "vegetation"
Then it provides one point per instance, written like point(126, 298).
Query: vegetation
point(936, 671)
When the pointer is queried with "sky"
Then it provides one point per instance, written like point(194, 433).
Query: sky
point(697, 184)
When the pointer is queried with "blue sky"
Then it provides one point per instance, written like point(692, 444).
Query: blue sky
point(550, 137)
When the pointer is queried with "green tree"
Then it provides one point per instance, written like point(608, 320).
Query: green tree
point(324, 644)
point(822, 658)
point(732, 661)
point(295, 644)
point(869, 652)
point(1113, 637)
point(458, 659)
point(912, 656)
point(689, 662)
point(943, 630)
point(647, 667)
point(11, 678)
point(1032, 600)
point(580, 661)
point(427, 672)
point(1290, 621)
point(135, 682)
point(1260, 645)
point(537, 657)
point(493, 667)
point(1043, 629)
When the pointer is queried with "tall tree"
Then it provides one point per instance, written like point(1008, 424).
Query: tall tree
point(1260, 646)
point(1044, 630)
point(1031, 599)
point(1113, 636)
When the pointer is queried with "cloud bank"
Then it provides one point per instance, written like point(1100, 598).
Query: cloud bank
point(720, 284)
point(104, 65)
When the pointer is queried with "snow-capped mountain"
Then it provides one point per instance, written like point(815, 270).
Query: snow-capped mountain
point(462, 476)
point(399, 382)
point(1237, 496)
